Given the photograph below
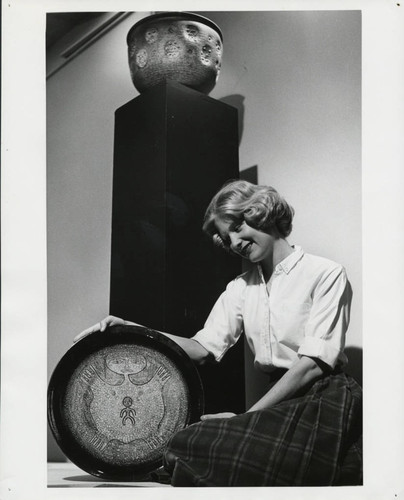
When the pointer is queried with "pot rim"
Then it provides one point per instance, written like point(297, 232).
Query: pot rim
point(179, 15)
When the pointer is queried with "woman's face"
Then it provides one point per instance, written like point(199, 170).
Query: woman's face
point(244, 240)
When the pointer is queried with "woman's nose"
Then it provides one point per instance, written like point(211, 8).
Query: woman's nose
point(235, 241)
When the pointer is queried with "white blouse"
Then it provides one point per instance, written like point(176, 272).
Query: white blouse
point(303, 311)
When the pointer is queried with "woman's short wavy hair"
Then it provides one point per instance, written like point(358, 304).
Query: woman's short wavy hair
point(261, 207)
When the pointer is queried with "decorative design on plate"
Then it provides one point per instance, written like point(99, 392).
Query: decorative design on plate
point(127, 413)
point(124, 402)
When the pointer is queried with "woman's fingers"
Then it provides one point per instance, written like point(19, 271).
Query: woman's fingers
point(87, 331)
point(101, 326)
point(110, 321)
point(104, 323)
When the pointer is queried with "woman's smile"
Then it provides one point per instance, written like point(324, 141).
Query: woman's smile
point(244, 240)
point(245, 249)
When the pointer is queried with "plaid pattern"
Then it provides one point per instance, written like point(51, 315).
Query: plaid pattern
point(313, 440)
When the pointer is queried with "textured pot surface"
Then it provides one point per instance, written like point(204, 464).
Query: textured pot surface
point(178, 46)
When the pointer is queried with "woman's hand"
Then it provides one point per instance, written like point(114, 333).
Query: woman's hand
point(225, 414)
point(100, 327)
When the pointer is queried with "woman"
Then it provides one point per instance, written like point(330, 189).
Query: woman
point(294, 310)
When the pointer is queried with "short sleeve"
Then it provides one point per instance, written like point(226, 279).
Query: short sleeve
point(329, 318)
point(224, 324)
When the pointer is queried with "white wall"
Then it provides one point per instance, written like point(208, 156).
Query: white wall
point(81, 100)
point(298, 75)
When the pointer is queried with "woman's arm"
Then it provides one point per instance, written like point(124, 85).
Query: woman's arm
point(194, 350)
point(302, 374)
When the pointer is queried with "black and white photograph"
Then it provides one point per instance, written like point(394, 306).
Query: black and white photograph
point(201, 221)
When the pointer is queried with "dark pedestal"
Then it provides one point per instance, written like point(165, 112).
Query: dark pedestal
point(174, 148)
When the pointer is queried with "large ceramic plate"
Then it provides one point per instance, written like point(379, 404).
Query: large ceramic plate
point(116, 398)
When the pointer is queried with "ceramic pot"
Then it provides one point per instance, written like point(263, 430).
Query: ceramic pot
point(179, 46)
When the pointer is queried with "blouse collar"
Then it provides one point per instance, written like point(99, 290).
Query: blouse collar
point(287, 264)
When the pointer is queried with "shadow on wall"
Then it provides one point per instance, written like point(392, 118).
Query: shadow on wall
point(250, 174)
point(355, 363)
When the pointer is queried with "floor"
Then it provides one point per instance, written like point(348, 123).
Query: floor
point(68, 475)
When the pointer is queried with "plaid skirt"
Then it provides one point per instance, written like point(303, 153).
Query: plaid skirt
point(311, 440)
